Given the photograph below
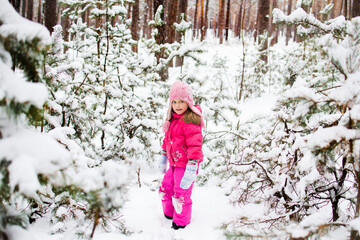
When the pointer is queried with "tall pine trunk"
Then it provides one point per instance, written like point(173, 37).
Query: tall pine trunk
point(238, 20)
point(50, 14)
point(248, 16)
point(355, 8)
point(288, 28)
point(262, 21)
point(195, 19)
point(273, 31)
point(221, 20)
point(334, 12)
point(354, 235)
point(227, 21)
point(202, 21)
point(262, 26)
point(23, 8)
point(206, 16)
point(172, 17)
point(135, 24)
point(30, 9)
point(146, 27)
point(345, 8)
point(16, 4)
point(39, 17)
point(182, 14)
point(160, 39)
point(183, 4)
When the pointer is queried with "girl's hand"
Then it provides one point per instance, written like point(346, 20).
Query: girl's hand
point(163, 163)
point(189, 175)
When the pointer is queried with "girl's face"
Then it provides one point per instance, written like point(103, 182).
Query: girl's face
point(179, 106)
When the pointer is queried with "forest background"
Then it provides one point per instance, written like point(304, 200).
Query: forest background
point(94, 92)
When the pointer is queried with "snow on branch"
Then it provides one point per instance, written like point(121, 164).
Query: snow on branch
point(323, 137)
point(16, 88)
point(310, 24)
point(32, 154)
point(12, 24)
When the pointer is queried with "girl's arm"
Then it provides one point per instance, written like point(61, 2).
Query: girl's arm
point(193, 137)
point(163, 152)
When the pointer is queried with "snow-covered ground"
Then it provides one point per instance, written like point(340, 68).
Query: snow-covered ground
point(143, 214)
point(211, 207)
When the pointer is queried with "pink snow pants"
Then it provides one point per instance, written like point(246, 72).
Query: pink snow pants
point(176, 202)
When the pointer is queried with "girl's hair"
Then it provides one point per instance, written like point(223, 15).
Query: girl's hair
point(191, 117)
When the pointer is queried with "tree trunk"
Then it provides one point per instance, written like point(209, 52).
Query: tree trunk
point(172, 17)
point(166, 7)
point(345, 9)
point(182, 16)
point(23, 8)
point(249, 18)
point(355, 8)
point(355, 234)
point(65, 23)
point(227, 21)
point(262, 21)
point(39, 16)
point(30, 10)
point(50, 14)
point(183, 4)
point(273, 31)
point(160, 39)
point(128, 15)
point(145, 22)
point(263, 27)
point(239, 20)
point(16, 4)
point(98, 19)
point(334, 11)
point(316, 7)
point(202, 21)
point(195, 19)
point(288, 28)
point(135, 24)
point(221, 20)
point(151, 10)
point(206, 16)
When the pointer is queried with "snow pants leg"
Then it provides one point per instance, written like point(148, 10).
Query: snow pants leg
point(176, 202)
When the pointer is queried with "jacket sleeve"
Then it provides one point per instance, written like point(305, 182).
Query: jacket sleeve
point(193, 138)
point(163, 152)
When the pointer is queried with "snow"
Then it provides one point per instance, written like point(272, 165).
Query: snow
point(143, 214)
point(299, 15)
point(14, 86)
point(33, 153)
point(30, 158)
point(16, 232)
point(257, 107)
point(23, 29)
point(322, 137)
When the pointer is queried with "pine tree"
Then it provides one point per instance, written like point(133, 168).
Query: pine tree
point(27, 162)
point(304, 156)
point(94, 100)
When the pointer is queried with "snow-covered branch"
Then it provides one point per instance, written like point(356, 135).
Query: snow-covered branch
point(336, 26)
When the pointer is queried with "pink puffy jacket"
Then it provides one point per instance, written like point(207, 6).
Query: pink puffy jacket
point(183, 141)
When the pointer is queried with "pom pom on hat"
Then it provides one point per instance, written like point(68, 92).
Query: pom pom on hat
point(181, 90)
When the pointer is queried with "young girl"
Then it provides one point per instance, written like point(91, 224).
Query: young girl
point(182, 148)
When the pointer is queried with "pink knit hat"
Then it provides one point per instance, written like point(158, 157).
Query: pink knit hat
point(181, 90)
